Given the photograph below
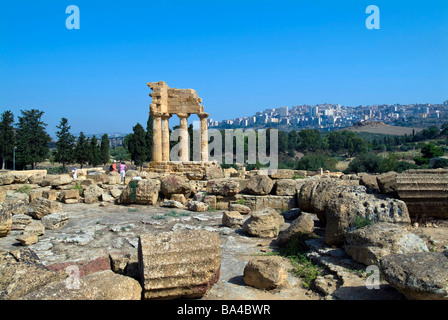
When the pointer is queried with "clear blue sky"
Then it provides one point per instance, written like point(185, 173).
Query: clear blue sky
point(240, 56)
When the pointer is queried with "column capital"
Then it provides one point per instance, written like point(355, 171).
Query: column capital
point(156, 114)
point(183, 115)
point(203, 115)
point(165, 116)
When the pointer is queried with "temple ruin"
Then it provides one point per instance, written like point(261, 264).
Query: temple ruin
point(167, 101)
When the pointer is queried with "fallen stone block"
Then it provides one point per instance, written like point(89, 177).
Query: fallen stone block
point(265, 273)
point(182, 264)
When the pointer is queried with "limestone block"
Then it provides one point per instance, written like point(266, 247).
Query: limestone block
point(178, 264)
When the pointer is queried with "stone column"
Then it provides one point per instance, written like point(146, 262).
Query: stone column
point(184, 153)
point(204, 136)
point(157, 137)
point(165, 137)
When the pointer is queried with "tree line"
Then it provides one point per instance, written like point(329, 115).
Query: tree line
point(26, 143)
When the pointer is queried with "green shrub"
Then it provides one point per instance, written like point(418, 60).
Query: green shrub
point(302, 267)
point(314, 162)
point(133, 193)
point(79, 188)
point(241, 201)
point(366, 162)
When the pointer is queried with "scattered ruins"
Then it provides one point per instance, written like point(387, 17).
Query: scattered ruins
point(186, 228)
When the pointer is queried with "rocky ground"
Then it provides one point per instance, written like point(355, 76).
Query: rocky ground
point(94, 232)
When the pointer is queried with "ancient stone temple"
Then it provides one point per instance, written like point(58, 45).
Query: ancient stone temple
point(167, 102)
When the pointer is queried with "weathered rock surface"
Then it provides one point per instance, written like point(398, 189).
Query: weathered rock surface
point(20, 221)
point(41, 207)
point(240, 208)
point(141, 192)
point(5, 223)
point(419, 276)
point(369, 244)
point(15, 203)
point(223, 187)
point(61, 180)
point(173, 184)
point(264, 223)
point(387, 183)
point(265, 273)
point(197, 206)
point(21, 273)
point(35, 227)
point(27, 239)
point(341, 213)
point(103, 285)
point(178, 264)
point(69, 196)
point(232, 219)
point(55, 220)
point(93, 191)
point(260, 185)
point(172, 204)
point(315, 194)
point(212, 173)
point(282, 174)
point(285, 187)
point(281, 203)
point(303, 225)
point(369, 181)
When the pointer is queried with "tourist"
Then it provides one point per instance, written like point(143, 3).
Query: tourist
point(114, 166)
point(122, 172)
point(75, 173)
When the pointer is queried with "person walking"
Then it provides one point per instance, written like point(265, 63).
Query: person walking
point(75, 173)
point(122, 172)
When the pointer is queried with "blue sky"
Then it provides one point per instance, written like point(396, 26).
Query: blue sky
point(240, 56)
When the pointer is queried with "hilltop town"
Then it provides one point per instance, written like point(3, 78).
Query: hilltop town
point(327, 117)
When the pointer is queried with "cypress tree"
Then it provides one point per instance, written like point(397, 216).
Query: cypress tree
point(32, 140)
point(7, 138)
point(65, 144)
point(105, 149)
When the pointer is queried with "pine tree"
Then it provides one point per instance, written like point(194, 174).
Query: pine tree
point(82, 150)
point(149, 128)
point(7, 138)
point(95, 152)
point(65, 144)
point(105, 149)
point(32, 140)
point(137, 145)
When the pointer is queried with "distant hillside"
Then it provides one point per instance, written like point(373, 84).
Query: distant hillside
point(381, 128)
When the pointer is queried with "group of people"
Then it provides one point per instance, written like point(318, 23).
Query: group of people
point(113, 168)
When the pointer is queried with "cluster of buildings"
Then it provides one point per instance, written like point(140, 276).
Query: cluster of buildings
point(331, 116)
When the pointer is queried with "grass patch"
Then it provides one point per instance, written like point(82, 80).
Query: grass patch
point(241, 201)
point(296, 176)
point(24, 189)
point(159, 217)
point(361, 222)
point(79, 188)
point(302, 267)
point(174, 213)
